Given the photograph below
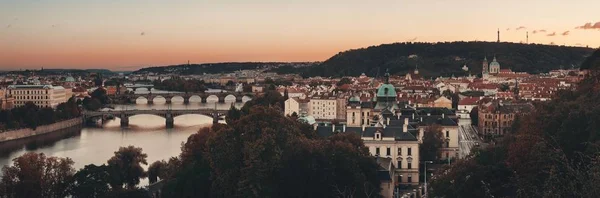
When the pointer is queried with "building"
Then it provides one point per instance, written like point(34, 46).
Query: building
point(323, 107)
point(40, 95)
point(443, 102)
point(497, 117)
point(295, 105)
point(6, 100)
point(466, 105)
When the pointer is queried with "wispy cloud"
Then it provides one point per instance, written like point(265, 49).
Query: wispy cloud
point(589, 26)
point(521, 28)
point(566, 33)
point(538, 31)
point(143, 33)
point(551, 34)
point(412, 39)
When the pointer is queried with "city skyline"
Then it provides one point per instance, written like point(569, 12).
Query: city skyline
point(128, 35)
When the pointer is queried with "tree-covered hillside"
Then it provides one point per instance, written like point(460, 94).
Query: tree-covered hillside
point(446, 59)
point(211, 68)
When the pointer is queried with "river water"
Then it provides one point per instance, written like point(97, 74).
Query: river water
point(97, 145)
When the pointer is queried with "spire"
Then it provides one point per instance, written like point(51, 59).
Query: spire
point(498, 35)
point(387, 76)
point(494, 59)
point(416, 69)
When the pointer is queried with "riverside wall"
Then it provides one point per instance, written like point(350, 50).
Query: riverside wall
point(6, 136)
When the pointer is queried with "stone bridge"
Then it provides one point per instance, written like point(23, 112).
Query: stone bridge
point(168, 114)
point(136, 86)
point(186, 96)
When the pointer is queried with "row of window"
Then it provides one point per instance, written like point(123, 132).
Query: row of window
point(32, 97)
point(408, 179)
point(14, 92)
point(489, 116)
point(389, 153)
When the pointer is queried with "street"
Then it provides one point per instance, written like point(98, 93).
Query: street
point(467, 137)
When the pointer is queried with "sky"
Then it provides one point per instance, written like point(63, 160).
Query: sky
point(130, 34)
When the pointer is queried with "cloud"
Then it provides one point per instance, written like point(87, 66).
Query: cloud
point(589, 26)
point(538, 31)
point(551, 34)
point(412, 39)
point(521, 28)
point(143, 33)
point(566, 33)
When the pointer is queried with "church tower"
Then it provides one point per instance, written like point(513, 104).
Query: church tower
point(498, 35)
point(485, 70)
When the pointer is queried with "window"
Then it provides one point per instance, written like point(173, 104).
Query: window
point(377, 151)
point(447, 133)
point(409, 165)
point(399, 163)
point(409, 151)
point(399, 178)
point(388, 151)
point(409, 178)
point(447, 155)
point(399, 151)
point(448, 144)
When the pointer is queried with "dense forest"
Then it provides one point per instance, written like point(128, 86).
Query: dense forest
point(552, 152)
point(212, 68)
point(446, 59)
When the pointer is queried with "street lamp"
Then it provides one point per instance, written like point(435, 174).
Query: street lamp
point(426, 162)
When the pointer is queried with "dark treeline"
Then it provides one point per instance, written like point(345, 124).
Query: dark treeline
point(181, 85)
point(32, 116)
point(552, 152)
point(446, 59)
point(259, 153)
point(212, 68)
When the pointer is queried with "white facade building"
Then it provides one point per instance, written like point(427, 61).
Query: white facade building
point(323, 107)
point(40, 95)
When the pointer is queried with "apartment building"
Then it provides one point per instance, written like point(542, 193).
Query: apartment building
point(40, 95)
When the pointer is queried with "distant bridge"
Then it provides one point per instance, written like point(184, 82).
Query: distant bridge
point(168, 114)
point(136, 86)
point(220, 97)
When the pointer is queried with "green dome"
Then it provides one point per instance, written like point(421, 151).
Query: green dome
point(354, 99)
point(70, 79)
point(386, 90)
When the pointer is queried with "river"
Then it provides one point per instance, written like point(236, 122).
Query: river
point(97, 145)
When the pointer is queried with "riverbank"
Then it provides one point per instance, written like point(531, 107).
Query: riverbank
point(27, 132)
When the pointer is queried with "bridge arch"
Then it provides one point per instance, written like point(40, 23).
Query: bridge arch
point(141, 100)
point(230, 98)
point(212, 98)
point(177, 99)
point(159, 99)
point(246, 99)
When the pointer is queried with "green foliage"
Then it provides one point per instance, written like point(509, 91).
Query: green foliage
point(344, 81)
point(128, 163)
point(32, 116)
point(433, 141)
point(474, 115)
point(91, 181)
point(446, 59)
point(35, 175)
point(180, 84)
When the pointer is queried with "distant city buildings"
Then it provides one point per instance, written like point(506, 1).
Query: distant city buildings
point(40, 95)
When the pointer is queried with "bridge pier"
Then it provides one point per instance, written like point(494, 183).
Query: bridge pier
point(239, 99)
point(203, 99)
point(124, 121)
point(170, 122)
point(222, 99)
point(215, 119)
point(168, 100)
point(186, 100)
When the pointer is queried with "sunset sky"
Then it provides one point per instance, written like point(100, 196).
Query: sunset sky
point(129, 34)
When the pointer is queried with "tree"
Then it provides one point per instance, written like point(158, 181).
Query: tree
point(35, 175)
point(92, 104)
point(474, 115)
point(433, 141)
point(91, 181)
point(230, 83)
point(156, 170)
point(128, 164)
point(343, 81)
point(233, 114)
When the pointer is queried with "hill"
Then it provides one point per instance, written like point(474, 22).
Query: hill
point(211, 68)
point(446, 59)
